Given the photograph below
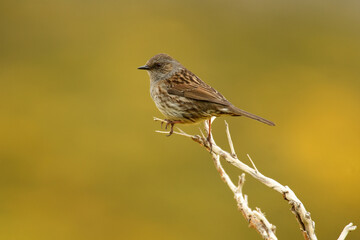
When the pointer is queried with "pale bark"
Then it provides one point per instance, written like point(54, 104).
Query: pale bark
point(256, 218)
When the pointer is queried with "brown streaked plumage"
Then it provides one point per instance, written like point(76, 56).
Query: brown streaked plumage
point(183, 97)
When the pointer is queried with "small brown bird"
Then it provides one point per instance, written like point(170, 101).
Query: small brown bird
point(183, 97)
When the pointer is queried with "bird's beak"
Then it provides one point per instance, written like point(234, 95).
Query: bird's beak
point(145, 67)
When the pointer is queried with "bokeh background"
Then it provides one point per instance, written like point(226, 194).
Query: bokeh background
point(79, 156)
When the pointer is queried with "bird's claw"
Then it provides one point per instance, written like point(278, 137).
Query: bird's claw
point(170, 133)
point(171, 127)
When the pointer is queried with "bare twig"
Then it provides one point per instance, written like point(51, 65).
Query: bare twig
point(267, 230)
point(252, 162)
point(255, 218)
point(230, 140)
point(159, 120)
point(348, 228)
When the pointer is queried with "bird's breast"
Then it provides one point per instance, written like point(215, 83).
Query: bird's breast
point(176, 107)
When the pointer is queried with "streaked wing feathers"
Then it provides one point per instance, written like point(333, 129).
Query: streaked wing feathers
point(190, 86)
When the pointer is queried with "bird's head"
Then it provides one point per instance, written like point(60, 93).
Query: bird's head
point(161, 66)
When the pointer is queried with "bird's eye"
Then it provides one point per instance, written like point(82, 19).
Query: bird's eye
point(157, 65)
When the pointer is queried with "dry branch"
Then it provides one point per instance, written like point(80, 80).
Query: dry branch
point(255, 218)
point(348, 228)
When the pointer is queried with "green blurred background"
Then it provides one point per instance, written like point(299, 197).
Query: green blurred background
point(79, 158)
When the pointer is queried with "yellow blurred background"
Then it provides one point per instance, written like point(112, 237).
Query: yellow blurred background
point(79, 158)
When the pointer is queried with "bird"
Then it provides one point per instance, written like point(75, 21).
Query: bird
point(184, 98)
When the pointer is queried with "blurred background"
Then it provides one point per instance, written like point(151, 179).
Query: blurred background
point(79, 156)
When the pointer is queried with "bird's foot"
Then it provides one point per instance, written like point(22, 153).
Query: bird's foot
point(209, 136)
point(208, 139)
point(171, 129)
point(171, 123)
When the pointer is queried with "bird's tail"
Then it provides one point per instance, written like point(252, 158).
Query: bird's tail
point(234, 111)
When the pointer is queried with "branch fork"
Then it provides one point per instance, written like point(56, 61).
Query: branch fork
point(255, 218)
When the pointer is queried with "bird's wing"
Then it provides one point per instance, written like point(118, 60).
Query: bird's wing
point(189, 86)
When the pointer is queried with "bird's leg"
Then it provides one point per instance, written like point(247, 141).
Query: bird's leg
point(167, 123)
point(171, 123)
point(209, 136)
point(171, 129)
